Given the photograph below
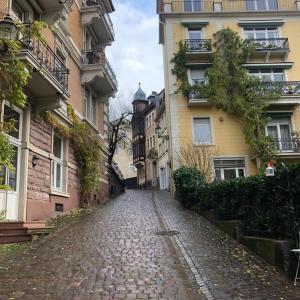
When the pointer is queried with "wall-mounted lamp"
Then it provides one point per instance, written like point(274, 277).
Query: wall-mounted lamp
point(35, 160)
point(158, 132)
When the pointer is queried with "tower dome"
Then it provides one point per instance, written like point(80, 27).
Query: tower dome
point(140, 94)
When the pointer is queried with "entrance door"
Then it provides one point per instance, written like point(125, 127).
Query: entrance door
point(9, 178)
point(9, 198)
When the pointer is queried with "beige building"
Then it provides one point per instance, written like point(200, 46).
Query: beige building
point(273, 25)
point(123, 157)
point(70, 68)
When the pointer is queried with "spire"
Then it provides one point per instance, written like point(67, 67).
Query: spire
point(140, 94)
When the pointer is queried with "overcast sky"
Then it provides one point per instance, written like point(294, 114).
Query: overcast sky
point(136, 55)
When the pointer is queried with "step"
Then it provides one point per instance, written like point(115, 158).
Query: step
point(13, 231)
point(4, 225)
point(9, 239)
point(40, 231)
point(35, 224)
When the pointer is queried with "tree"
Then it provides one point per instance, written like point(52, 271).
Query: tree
point(230, 87)
point(119, 124)
point(199, 157)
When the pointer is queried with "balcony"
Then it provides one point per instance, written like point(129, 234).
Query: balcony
point(95, 14)
point(199, 49)
point(226, 6)
point(52, 10)
point(48, 84)
point(270, 48)
point(196, 99)
point(97, 72)
point(287, 146)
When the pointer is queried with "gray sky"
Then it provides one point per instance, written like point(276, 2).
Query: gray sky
point(136, 55)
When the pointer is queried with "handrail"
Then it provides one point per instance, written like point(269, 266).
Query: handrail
point(46, 57)
point(270, 44)
point(104, 12)
point(210, 6)
point(198, 45)
point(97, 56)
point(287, 145)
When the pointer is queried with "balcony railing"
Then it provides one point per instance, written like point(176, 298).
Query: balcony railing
point(97, 56)
point(270, 44)
point(104, 13)
point(47, 59)
point(287, 145)
point(68, 4)
point(210, 6)
point(285, 88)
point(203, 45)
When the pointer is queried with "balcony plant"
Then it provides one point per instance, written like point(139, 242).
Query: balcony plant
point(230, 88)
point(14, 76)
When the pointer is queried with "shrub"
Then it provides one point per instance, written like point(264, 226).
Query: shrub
point(267, 206)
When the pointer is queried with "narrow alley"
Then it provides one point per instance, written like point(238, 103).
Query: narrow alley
point(123, 251)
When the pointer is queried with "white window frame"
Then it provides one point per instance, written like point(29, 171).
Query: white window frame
point(233, 168)
point(192, 81)
point(277, 125)
point(191, 29)
point(267, 5)
point(260, 74)
point(91, 107)
point(16, 142)
point(266, 30)
point(211, 130)
point(55, 162)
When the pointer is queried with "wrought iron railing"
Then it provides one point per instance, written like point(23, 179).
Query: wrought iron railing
point(104, 13)
point(287, 145)
point(46, 58)
point(68, 4)
point(202, 45)
point(286, 88)
point(110, 72)
point(209, 6)
point(97, 56)
point(270, 44)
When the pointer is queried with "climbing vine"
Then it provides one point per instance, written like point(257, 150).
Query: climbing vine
point(229, 87)
point(88, 152)
point(14, 76)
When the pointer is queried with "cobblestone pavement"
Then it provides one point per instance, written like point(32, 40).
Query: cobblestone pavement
point(115, 253)
point(112, 254)
point(224, 269)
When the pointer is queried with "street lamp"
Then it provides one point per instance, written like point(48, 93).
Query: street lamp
point(158, 133)
point(8, 28)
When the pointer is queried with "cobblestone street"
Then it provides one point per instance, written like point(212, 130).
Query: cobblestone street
point(116, 253)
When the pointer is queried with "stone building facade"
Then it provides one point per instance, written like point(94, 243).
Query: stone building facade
point(145, 140)
point(70, 69)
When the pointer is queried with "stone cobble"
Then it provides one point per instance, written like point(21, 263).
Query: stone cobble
point(224, 267)
point(112, 254)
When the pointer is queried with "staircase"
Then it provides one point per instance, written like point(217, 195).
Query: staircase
point(14, 232)
point(18, 232)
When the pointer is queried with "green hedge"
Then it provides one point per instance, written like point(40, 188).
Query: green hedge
point(267, 206)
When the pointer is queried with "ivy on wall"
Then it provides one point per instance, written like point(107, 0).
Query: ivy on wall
point(229, 87)
point(88, 152)
point(14, 76)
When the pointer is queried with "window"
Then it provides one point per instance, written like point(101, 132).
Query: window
point(279, 128)
point(226, 169)
point(57, 164)
point(197, 76)
point(261, 33)
point(202, 131)
point(268, 74)
point(59, 207)
point(132, 168)
point(261, 5)
point(192, 5)
point(19, 11)
point(9, 176)
point(195, 34)
point(90, 106)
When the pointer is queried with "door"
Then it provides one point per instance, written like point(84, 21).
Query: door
point(281, 134)
point(192, 5)
point(9, 198)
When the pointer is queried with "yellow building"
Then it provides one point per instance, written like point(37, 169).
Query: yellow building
point(274, 25)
